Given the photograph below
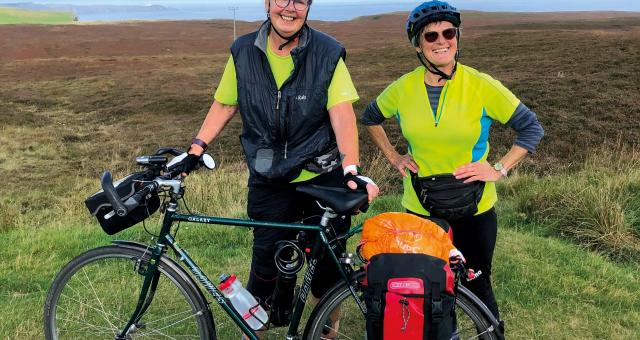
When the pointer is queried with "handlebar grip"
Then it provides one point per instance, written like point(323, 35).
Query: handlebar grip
point(112, 195)
point(135, 200)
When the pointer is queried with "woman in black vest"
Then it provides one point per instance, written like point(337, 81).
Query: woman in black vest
point(295, 97)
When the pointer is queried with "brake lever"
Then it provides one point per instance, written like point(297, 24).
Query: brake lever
point(169, 150)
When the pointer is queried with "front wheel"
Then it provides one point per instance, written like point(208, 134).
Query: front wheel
point(338, 314)
point(94, 296)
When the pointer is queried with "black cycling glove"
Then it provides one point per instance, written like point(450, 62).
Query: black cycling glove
point(360, 180)
point(187, 164)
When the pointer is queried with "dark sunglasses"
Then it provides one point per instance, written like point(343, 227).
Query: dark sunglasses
point(448, 34)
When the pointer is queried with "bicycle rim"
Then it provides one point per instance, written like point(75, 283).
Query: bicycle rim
point(94, 296)
point(340, 306)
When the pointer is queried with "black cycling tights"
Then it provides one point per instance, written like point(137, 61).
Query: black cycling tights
point(282, 203)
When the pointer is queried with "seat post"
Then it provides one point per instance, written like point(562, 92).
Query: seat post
point(327, 216)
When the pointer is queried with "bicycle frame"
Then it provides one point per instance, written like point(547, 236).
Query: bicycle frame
point(166, 240)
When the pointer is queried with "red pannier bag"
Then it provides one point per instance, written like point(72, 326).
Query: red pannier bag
point(409, 289)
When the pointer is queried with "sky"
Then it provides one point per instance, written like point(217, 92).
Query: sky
point(488, 5)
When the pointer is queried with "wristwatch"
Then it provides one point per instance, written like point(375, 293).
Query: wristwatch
point(499, 167)
point(199, 142)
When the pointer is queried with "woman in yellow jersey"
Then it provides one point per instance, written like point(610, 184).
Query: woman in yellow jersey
point(445, 110)
point(293, 91)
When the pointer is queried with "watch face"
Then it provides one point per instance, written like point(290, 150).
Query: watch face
point(498, 166)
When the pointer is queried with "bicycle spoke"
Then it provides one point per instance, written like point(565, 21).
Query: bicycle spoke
point(100, 304)
point(487, 331)
point(171, 316)
point(90, 307)
point(157, 331)
point(89, 326)
point(342, 335)
point(466, 328)
point(88, 329)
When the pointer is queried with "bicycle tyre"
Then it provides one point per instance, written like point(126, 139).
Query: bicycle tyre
point(471, 322)
point(95, 294)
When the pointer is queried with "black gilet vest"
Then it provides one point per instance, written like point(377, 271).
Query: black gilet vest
point(284, 129)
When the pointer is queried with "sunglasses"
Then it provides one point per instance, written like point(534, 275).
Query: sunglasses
point(448, 34)
point(298, 5)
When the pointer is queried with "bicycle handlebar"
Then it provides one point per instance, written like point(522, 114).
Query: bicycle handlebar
point(123, 208)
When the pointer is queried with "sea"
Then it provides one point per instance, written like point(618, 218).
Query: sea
point(244, 12)
point(253, 10)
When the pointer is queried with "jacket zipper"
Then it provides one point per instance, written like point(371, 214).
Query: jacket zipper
point(282, 129)
point(444, 97)
point(278, 102)
point(284, 136)
point(278, 127)
point(287, 115)
point(288, 106)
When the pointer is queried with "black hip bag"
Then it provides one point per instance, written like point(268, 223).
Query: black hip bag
point(446, 197)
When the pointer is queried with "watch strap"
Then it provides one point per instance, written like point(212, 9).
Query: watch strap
point(500, 168)
point(199, 142)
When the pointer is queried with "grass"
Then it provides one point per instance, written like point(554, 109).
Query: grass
point(547, 288)
point(20, 16)
point(598, 207)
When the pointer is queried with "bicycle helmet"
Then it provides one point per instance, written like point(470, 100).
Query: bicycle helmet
point(427, 13)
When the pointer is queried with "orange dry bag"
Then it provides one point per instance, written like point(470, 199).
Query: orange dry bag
point(395, 232)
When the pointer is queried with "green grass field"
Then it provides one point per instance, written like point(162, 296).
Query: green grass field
point(19, 16)
point(548, 288)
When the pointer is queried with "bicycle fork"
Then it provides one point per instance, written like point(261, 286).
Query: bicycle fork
point(152, 276)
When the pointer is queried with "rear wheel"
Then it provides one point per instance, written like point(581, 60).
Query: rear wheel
point(339, 314)
point(94, 296)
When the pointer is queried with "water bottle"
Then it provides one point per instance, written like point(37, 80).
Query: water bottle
point(243, 302)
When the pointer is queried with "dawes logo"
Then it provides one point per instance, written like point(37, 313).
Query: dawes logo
point(404, 285)
point(301, 97)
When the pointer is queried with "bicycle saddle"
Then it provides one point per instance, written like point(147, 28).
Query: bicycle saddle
point(342, 200)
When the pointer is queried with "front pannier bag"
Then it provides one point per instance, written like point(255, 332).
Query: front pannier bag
point(409, 291)
point(111, 223)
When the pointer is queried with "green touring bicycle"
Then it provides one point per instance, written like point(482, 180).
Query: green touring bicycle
point(130, 290)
